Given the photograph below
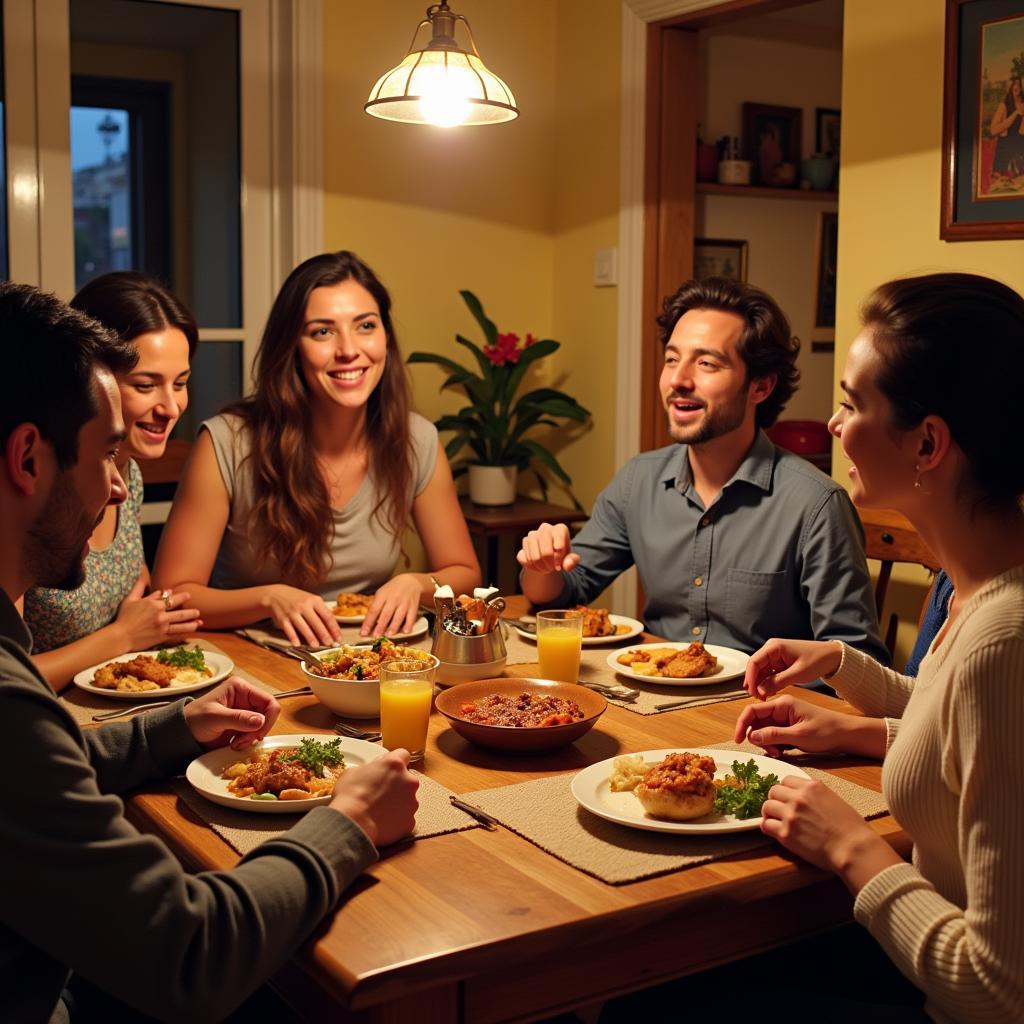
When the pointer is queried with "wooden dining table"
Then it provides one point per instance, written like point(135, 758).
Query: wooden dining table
point(484, 926)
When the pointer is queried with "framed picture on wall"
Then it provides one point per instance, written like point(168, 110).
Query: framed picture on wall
point(983, 121)
point(825, 274)
point(826, 132)
point(719, 257)
point(771, 142)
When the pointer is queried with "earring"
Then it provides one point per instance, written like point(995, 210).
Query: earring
point(917, 482)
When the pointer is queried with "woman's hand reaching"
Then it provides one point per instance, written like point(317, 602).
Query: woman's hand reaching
point(304, 618)
point(781, 663)
point(147, 620)
point(784, 722)
point(394, 608)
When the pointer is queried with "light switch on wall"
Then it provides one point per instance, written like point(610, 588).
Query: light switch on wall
point(606, 268)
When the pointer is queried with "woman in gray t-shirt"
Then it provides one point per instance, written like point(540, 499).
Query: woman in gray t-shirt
point(305, 488)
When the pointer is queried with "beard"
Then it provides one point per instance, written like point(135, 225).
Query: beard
point(56, 541)
point(714, 423)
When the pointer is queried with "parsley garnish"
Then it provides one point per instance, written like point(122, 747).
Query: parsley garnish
point(746, 800)
point(183, 657)
point(315, 755)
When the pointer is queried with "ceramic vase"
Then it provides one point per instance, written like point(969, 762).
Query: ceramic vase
point(492, 485)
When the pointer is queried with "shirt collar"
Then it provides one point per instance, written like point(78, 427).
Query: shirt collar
point(12, 625)
point(757, 467)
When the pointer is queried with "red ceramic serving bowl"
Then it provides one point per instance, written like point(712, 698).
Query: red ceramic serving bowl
point(506, 737)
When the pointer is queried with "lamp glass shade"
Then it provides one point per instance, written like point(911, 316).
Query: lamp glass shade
point(444, 88)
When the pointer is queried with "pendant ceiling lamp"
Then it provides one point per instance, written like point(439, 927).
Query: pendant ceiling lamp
point(441, 83)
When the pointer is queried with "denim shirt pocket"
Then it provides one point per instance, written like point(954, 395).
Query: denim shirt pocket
point(759, 605)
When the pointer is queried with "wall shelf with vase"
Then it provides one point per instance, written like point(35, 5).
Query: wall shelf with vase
point(712, 188)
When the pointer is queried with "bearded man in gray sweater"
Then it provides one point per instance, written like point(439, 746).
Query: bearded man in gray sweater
point(83, 890)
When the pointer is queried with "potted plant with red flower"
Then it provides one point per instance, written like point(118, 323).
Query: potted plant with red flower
point(494, 425)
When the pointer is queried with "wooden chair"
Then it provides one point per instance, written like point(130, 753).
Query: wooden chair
point(890, 537)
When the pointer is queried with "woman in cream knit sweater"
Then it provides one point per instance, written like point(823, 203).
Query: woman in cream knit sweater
point(928, 421)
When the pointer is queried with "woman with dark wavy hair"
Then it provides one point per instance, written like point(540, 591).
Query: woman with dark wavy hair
point(305, 488)
point(110, 613)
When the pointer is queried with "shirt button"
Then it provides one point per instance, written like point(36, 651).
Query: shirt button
point(705, 521)
point(697, 582)
point(695, 631)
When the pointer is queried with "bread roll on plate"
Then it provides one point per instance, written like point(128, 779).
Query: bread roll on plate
point(680, 788)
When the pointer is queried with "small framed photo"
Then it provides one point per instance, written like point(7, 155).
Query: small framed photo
point(826, 132)
point(983, 121)
point(825, 276)
point(771, 142)
point(719, 257)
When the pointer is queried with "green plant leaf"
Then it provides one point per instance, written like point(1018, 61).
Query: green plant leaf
point(567, 410)
point(536, 351)
point(487, 368)
point(455, 445)
point(545, 457)
point(486, 324)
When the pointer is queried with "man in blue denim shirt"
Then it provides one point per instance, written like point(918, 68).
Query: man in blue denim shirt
point(735, 541)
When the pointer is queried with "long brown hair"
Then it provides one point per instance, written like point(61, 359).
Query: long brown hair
point(291, 505)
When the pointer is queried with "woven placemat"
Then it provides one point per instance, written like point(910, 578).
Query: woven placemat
point(83, 705)
point(244, 832)
point(546, 813)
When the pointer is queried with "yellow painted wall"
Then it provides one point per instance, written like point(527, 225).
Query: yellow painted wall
point(891, 179)
point(511, 212)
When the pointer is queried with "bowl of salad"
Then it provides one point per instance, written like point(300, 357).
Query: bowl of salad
point(347, 678)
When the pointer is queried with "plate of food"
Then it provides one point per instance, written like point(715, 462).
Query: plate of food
point(693, 792)
point(599, 627)
point(671, 664)
point(155, 675)
point(282, 775)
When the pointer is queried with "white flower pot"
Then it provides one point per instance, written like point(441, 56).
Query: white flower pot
point(492, 485)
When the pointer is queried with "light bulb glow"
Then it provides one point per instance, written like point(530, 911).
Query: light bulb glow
point(444, 94)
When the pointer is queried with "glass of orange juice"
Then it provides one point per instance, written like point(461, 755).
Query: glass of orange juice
point(559, 640)
point(406, 693)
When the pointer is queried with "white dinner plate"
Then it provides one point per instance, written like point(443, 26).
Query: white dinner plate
point(592, 790)
point(221, 664)
point(205, 771)
point(731, 665)
point(635, 628)
point(419, 628)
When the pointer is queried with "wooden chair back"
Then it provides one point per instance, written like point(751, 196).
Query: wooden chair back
point(890, 537)
point(167, 469)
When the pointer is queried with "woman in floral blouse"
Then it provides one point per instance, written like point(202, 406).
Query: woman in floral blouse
point(110, 614)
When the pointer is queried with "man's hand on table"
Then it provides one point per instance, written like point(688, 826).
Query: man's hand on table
point(380, 797)
point(235, 712)
point(781, 663)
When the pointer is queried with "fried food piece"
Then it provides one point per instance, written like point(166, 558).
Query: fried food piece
point(680, 788)
point(348, 606)
point(687, 664)
point(595, 621)
point(135, 676)
point(671, 662)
